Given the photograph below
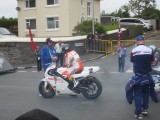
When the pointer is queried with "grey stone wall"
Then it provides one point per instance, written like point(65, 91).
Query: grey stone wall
point(21, 53)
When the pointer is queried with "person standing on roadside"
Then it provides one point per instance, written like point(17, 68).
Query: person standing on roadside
point(97, 38)
point(122, 52)
point(90, 38)
point(142, 82)
point(48, 54)
point(60, 55)
point(38, 58)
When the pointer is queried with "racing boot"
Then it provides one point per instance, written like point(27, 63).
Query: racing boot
point(76, 82)
point(73, 85)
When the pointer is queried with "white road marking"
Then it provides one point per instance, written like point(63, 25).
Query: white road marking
point(114, 72)
point(100, 72)
point(21, 71)
point(20, 67)
point(104, 57)
point(129, 71)
point(34, 66)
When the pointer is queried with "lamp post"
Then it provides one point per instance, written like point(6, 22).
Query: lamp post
point(93, 17)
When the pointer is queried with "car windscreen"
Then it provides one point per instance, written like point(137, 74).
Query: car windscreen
point(128, 20)
point(4, 31)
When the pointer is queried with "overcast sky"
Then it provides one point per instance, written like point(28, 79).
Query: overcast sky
point(7, 7)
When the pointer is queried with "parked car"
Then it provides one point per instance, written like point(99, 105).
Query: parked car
point(4, 33)
point(136, 21)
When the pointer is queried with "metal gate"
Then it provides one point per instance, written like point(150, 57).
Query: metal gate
point(110, 46)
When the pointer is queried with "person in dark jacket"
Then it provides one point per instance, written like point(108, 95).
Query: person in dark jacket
point(141, 57)
point(135, 80)
point(97, 38)
point(48, 54)
point(38, 58)
point(90, 38)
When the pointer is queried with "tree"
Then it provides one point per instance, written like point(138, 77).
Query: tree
point(149, 4)
point(10, 24)
point(123, 11)
point(4, 22)
point(86, 27)
point(135, 7)
point(151, 13)
point(138, 6)
point(108, 14)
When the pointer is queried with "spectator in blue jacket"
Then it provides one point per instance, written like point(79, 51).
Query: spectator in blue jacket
point(122, 53)
point(48, 54)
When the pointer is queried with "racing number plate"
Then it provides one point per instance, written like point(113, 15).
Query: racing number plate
point(90, 70)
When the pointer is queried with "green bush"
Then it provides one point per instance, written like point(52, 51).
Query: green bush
point(111, 27)
point(7, 22)
point(86, 27)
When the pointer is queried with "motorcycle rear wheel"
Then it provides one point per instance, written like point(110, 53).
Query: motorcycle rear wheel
point(47, 92)
point(95, 88)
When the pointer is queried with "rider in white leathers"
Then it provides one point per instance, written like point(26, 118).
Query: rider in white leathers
point(73, 64)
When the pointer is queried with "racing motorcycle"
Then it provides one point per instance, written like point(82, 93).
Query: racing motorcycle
point(156, 55)
point(54, 83)
point(156, 79)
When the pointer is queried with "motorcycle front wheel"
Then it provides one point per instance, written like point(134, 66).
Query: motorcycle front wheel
point(94, 88)
point(46, 91)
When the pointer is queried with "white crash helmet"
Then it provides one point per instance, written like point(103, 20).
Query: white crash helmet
point(66, 47)
point(153, 47)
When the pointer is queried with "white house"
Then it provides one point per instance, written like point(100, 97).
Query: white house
point(53, 18)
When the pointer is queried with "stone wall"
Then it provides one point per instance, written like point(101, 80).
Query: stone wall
point(18, 50)
point(21, 53)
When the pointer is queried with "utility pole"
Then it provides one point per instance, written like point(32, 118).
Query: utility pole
point(93, 17)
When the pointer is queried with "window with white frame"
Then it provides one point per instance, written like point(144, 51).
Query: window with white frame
point(52, 22)
point(82, 2)
point(30, 3)
point(89, 8)
point(52, 2)
point(31, 23)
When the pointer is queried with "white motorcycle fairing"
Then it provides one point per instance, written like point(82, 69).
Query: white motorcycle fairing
point(59, 85)
point(156, 79)
point(86, 71)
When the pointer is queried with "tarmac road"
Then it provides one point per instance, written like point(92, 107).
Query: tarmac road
point(19, 94)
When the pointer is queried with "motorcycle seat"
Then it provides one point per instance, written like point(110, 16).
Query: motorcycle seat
point(78, 72)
